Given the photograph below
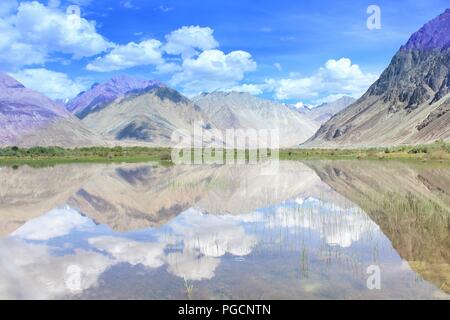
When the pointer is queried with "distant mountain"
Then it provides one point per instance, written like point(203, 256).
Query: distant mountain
point(326, 111)
point(244, 111)
point(100, 95)
point(408, 104)
point(28, 118)
point(148, 116)
point(303, 109)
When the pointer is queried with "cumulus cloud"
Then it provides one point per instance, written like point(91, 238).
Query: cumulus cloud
point(190, 56)
point(249, 88)
point(213, 70)
point(336, 225)
point(34, 271)
point(53, 84)
point(56, 223)
point(31, 32)
point(130, 251)
point(14, 51)
point(336, 77)
point(212, 236)
point(189, 266)
point(187, 40)
point(133, 54)
point(40, 25)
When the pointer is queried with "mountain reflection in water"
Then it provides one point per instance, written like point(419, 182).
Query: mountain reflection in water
point(220, 232)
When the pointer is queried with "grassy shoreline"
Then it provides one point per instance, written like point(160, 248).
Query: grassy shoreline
point(435, 151)
point(54, 155)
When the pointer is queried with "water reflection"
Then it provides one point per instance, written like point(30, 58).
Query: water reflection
point(143, 231)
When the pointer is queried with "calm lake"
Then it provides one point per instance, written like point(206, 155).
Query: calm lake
point(311, 230)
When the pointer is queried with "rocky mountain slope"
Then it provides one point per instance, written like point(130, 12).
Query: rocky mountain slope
point(236, 110)
point(411, 204)
point(149, 116)
point(408, 104)
point(134, 196)
point(28, 118)
point(100, 95)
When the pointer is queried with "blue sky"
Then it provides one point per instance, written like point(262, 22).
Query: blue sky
point(293, 51)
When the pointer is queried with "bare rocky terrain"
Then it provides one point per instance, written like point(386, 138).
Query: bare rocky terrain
point(237, 110)
point(408, 104)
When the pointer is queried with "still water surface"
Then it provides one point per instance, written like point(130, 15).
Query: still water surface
point(143, 231)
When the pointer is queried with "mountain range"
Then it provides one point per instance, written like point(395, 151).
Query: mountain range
point(408, 104)
point(28, 118)
point(148, 116)
point(128, 111)
point(100, 95)
point(237, 110)
point(325, 111)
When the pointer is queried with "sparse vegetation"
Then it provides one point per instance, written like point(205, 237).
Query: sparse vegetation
point(439, 150)
point(12, 155)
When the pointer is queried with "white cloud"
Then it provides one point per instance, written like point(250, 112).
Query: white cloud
point(133, 54)
point(214, 70)
point(53, 84)
point(336, 77)
point(149, 254)
point(187, 40)
point(56, 223)
point(31, 32)
point(189, 266)
point(34, 271)
point(299, 105)
point(337, 226)
point(249, 88)
point(296, 88)
point(57, 31)
point(212, 236)
point(14, 52)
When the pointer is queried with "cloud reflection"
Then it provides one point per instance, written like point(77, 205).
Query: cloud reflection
point(190, 246)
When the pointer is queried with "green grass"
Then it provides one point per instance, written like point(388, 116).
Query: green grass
point(439, 150)
point(38, 156)
point(53, 155)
